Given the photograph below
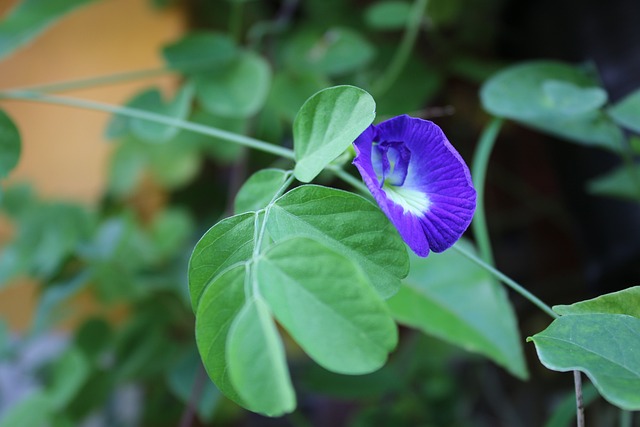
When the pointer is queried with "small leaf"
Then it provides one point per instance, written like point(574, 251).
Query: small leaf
point(571, 99)
point(388, 15)
point(626, 302)
point(622, 182)
point(181, 379)
point(335, 52)
point(325, 302)
point(70, 372)
point(259, 189)
point(448, 296)
point(238, 90)
point(10, 145)
point(348, 224)
point(220, 304)
point(151, 101)
point(604, 346)
point(627, 111)
point(227, 243)
point(326, 125)
point(29, 18)
point(200, 50)
point(257, 364)
point(530, 94)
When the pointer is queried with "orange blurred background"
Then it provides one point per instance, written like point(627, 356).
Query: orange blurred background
point(64, 153)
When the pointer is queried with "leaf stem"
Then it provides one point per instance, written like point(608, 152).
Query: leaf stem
point(479, 173)
point(626, 418)
point(152, 117)
point(577, 379)
point(508, 281)
point(95, 81)
point(391, 74)
point(349, 179)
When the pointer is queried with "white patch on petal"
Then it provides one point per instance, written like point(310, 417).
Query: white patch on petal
point(413, 201)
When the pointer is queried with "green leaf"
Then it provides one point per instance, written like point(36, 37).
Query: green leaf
point(326, 304)
point(259, 189)
point(227, 243)
point(627, 111)
point(238, 90)
point(200, 50)
point(33, 411)
point(220, 304)
point(181, 379)
point(335, 52)
point(448, 296)
point(126, 168)
point(10, 145)
point(31, 17)
point(221, 150)
point(257, 364)
point(571, 99)
point(151, 100)
point(326, 125)
point(621, 182)
point(388, 15)
point(348, 224)
point(69, 373)
point(626, 302)
point(604, 346)
point(552, 97)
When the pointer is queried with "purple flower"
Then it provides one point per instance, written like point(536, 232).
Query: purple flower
point(419, 180)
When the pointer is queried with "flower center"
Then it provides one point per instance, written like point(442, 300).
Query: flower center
point(390, 161)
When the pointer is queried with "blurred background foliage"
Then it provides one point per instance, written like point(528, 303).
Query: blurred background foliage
point(109, 341)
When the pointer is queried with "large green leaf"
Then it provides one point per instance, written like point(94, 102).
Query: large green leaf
point(238, 90)
point(257, 363)
point(604, 346)
point(348, 224)
point(200, 50)
point(327, 124)
point(627, 111)
point(626, 301)
point(621, 182)
point(554, 97)
point(221, 302)
point(29, 18)
point(325, 302)
point(227, 243)
point(259, 189)
point(448, 296)
point(10, 144)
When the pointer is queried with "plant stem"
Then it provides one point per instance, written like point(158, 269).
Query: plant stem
point(479, 173)
point(508, 281)
point(577, 379)
point(349, 179)
point(152, 117)
point(95, 81)
point(384, 83)
point(626, 418)
point(235, 20)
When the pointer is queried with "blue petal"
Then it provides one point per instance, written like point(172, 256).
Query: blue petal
point(431, 201)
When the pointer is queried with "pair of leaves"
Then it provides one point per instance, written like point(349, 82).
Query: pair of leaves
point(306, 279)
point(600, 337)
point(554, 97)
